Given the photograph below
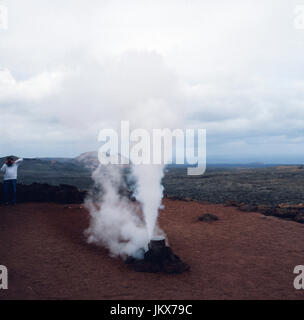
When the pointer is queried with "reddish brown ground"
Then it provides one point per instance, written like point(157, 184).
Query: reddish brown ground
point(241, 256)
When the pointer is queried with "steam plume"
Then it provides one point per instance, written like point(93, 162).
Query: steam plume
point(141, 88)
point(115, 220)
point(149, 192)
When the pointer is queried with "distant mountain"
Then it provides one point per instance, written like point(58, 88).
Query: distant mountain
point(88, 159)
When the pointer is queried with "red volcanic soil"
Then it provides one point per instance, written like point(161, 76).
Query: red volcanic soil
point(240, 256)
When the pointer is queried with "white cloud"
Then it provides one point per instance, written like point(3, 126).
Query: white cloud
point(35, 88)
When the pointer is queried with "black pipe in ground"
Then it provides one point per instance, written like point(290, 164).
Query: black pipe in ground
point(159, 258)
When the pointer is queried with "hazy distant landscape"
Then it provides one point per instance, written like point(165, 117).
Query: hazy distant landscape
point(248, 183)
point(270, 185)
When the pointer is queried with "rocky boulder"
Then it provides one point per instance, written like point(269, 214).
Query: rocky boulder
point(208, 217)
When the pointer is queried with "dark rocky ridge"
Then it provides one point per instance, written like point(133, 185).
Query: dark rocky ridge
point(294, 212)
point(37, 192)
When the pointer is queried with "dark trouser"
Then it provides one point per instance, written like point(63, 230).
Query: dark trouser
point(9, 187)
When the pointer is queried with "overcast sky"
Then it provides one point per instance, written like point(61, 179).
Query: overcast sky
point(70, 68)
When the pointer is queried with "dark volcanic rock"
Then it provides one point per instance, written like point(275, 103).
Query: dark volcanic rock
point(161, 260)
point(293, 212)
point(267, 210)
point(288, 213)
point(248, 208)
point(208, 217)
point(231, 203)
point(299, 218)
point(38, 192)
point(180, 198)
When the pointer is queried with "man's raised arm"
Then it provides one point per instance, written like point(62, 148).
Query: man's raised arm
point(19, 161)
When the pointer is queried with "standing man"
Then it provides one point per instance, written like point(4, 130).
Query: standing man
point(10, 169)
